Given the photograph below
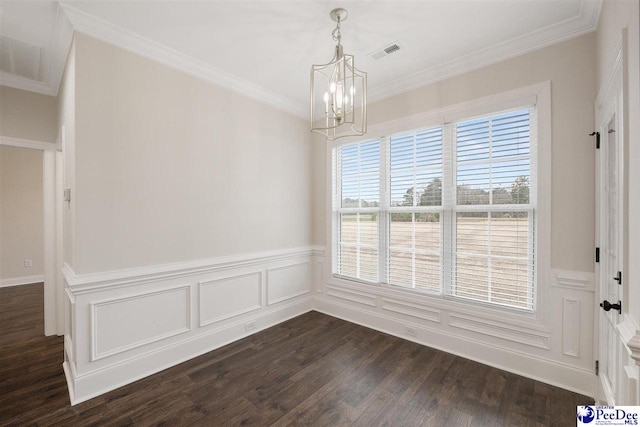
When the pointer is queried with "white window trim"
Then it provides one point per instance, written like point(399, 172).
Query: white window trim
point(538, 94)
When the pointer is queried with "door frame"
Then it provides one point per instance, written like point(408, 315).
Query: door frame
point(53, 323)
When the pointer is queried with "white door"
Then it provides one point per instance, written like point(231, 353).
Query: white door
point(610, 276)
point(610, 112)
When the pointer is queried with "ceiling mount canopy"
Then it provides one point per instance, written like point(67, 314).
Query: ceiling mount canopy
point(338, 91)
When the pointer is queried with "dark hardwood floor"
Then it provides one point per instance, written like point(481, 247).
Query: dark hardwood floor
point(311, 370)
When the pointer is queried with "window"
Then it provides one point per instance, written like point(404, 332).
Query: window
point(446, 210)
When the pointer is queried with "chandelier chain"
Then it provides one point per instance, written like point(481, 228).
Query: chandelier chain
point(336, 32)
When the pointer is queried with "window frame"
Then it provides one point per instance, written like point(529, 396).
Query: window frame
point(538, 95)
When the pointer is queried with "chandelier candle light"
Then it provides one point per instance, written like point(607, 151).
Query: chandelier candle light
point(338, 92)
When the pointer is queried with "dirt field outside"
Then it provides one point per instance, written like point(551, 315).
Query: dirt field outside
point(492, 255)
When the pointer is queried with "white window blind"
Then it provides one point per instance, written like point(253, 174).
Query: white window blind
point(357, 213)
point(493, 258)
point(415, 207)
point(448, 210)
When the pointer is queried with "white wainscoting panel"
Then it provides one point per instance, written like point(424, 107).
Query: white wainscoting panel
point(318, 276)
point(288, 282)
point(500, 330)
point(125, 325)
point(554, 344)
point(571, 327)
point(221, 299)
point(122, 324)
point(412, 310)
point(350, 295)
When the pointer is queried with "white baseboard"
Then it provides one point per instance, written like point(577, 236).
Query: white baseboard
point(540, 369)
point(24, 280)
point(83, 387)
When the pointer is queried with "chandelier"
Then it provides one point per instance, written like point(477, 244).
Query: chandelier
point(338, 92)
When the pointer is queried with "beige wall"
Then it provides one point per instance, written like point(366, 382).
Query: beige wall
point(21, 212)
point(171, 168)
point(570, 66)
point(27, 115)
point(615, 16)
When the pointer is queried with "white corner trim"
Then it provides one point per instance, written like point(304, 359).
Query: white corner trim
point(127, 40)
point(26, 143)
point(54, 60)
point(24, 280)
point(584, 23)
point(578, 280)
point(83, 283)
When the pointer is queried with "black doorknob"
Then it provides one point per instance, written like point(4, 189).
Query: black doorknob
point(606, 306)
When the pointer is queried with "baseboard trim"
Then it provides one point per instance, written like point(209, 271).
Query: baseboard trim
point(539, 369)
point(24, 280)
point(95, 383)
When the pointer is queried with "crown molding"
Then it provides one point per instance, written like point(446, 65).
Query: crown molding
point(127, 40)
point(54, 58)
point(585, 22)
point(19, 82)
point(69, 18)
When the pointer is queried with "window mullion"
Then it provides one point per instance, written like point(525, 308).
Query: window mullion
point(448, 213)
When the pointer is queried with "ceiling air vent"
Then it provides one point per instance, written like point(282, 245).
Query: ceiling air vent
point(385, 51)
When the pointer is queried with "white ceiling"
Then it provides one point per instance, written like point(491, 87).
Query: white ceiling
point(264, 49)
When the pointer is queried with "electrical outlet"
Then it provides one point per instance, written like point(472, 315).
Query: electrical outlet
point(28, 263)
point(249, 326)
point(412, 332)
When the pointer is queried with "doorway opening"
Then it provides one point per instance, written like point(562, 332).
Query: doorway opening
point(31, 228)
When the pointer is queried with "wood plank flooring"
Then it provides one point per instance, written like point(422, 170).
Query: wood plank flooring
point(311, 370)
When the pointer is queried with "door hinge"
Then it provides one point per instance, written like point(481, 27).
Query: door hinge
point(597, 135)
point(597, 367)
point(618, 278)
point(597, 254)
